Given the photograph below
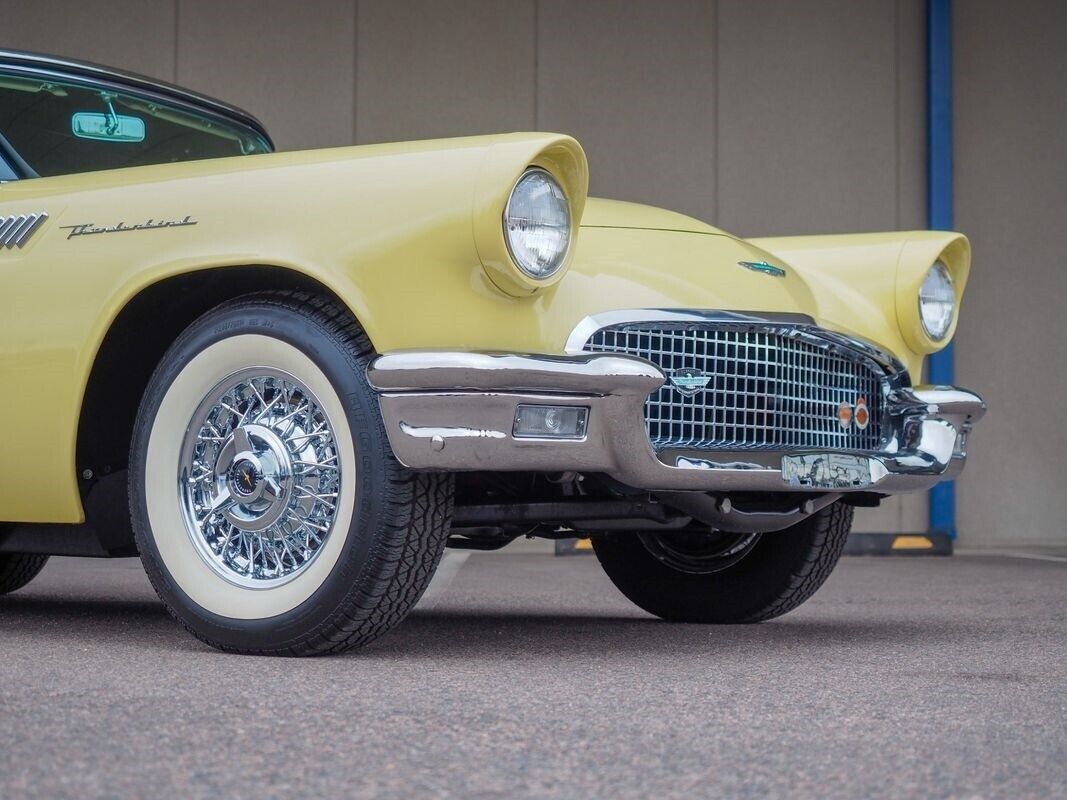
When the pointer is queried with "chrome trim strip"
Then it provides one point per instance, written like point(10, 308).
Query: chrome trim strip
point(461, 371)
point(585, 329)
point(450, 433)
point(800, 324)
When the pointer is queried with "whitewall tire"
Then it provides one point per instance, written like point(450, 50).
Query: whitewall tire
point(269, 511)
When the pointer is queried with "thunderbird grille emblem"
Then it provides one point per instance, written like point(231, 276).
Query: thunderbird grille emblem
point(764, 267)
point(689, 381)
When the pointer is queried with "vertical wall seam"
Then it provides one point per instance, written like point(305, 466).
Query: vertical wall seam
point(897, 121)
point(897, 110)
point(715, 99)
point(177, 38)
point(536, 65)
point(355, 72)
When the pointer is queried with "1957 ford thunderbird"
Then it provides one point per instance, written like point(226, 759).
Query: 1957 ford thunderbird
point(287, 381)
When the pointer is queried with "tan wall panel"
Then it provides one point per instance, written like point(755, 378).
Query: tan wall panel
point(807, 116)
point(290, 64)
point(635, 82)
point(429, 69)
point(136, 35)
point(1011, 200)
point(911, 116)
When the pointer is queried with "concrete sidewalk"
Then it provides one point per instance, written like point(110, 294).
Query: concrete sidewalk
point(530, 675)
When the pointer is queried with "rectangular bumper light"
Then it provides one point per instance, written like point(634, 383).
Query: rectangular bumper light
point(550, 422)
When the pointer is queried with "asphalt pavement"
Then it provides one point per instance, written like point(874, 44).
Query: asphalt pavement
point(529, 675)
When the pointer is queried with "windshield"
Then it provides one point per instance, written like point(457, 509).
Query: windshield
point(60, 128)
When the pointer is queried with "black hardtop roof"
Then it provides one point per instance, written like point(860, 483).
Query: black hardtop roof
point(59, 66)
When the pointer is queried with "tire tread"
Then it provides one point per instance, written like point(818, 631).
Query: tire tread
point(831, 532)
point(783, 571)
point(18, 569)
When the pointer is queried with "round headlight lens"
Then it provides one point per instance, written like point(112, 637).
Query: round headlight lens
point(537, 224)
point(937, 301)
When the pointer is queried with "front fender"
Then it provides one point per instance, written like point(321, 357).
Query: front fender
point(867, 282)
point(389, 229)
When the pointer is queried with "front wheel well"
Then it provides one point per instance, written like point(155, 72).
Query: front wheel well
point(134, 344)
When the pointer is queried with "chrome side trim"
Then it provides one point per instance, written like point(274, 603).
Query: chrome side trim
point(15, 231)
point(450, 433)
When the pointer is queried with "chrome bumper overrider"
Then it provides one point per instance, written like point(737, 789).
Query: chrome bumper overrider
point(456, 411)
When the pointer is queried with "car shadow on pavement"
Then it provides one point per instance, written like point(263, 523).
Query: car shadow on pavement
point(482, 632)
point(475, 633)
point(52, 616)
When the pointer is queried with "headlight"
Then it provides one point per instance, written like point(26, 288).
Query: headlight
point(937, 302)
point(537, 224)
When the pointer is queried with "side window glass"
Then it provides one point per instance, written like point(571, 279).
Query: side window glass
point(6, 173)
point(63, 128)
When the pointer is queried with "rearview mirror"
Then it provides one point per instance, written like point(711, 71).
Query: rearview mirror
point(107, 127)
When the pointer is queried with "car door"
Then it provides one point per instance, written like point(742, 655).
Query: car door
point(64, 142)
point(35, 365)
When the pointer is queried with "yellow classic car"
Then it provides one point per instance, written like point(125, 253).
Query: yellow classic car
point(287, 381)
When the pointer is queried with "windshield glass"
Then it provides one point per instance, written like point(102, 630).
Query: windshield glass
point(60, 128)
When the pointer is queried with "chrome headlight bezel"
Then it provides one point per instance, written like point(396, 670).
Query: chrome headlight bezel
point(937, 302)
point(519, 253)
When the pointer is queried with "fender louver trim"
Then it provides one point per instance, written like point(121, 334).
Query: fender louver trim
point(16, 231)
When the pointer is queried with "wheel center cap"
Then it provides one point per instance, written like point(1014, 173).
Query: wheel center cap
point(257, 471)
point(245, 476)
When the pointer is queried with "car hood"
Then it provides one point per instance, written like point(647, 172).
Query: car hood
point(601, 213)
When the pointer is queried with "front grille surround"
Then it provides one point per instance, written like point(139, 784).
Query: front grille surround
point(770, 387)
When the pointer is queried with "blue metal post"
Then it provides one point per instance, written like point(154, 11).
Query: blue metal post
point(939, 204)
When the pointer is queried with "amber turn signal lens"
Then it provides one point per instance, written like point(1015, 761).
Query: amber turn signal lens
point(862, 415)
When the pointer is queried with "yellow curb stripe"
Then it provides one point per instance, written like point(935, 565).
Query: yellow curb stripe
point(912, 543)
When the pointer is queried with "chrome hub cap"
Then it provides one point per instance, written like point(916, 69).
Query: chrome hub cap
point(259, 478)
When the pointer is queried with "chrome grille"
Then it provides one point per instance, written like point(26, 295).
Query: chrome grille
point(767, 387)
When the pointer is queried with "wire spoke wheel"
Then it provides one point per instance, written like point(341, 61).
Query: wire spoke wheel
point(260, 478)
point(269, 511)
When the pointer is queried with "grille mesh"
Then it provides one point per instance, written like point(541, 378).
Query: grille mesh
point(765, 389)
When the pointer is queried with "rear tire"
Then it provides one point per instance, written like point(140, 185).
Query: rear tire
point(269, 511)
point(18, 569)
point(780, 572)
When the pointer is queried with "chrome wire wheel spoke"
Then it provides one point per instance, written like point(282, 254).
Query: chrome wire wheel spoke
point(260, 478)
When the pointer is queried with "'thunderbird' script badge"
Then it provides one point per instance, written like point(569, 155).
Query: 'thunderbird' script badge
point(92, 229)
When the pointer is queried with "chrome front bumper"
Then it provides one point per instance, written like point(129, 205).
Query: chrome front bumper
point(456, 410)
